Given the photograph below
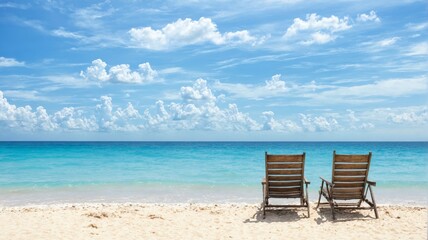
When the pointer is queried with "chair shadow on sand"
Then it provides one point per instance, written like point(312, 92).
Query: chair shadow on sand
point(277, 215)
point(322, 215)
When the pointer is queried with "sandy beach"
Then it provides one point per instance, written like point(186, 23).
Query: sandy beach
point(205, 221)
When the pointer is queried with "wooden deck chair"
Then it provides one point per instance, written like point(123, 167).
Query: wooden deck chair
point(285, 179)
point(349, 183)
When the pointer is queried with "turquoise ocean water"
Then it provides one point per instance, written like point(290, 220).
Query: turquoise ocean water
point(171, 172)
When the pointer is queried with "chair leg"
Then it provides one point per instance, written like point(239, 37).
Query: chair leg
point(332, 210)
point(319, 199)
point(264, 207)
point(374, 202)
point(265, 200)
point(359, 203)
point(375, 211)
point(307, 201)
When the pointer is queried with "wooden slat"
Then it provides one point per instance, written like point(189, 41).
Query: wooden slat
point(284, 158)
point(348, 179)
point(279, 172)
point(357, 190)
point(277, 193)
point(346, 196)
point(349, 173)
point(283, 184)
point(284, 165)
point(285, 178)
point(351, 158)
point(350, 166)
point(348, 184)
point(347, 193)
point(292, 195)
point(288, 189)
point(353, 204)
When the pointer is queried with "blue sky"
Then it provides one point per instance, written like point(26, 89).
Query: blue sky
point(214, 70)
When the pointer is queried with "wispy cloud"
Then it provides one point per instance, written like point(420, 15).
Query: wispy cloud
point(68, 81)
point(272, 88)
point(10, 62)
point(34, 24)
point(418, 49)
point(417, 26)
point(371, 92)
point(32, 95)
point(61, 32)
point(92, 31)
point(14, 5)
point(379, 45)
point(172, 70)
point(387, 42)
point(92, 17)
point(233, 62)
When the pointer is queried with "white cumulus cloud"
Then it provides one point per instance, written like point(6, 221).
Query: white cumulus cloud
point(319, 38)
point(276, 84)
point(105, 117)
point(271, 124)
point(318, 123)
point(371, 17)
point(70, 118)
point(123, 73)
point(193, 112)
point(199, 110)
point(316, 29)
point(199, 91)
point(24, 118)
point(355, 122)
point(119, 119)
point(412, 116)
point(96, 72)
point(119, 73)
point(185, 32)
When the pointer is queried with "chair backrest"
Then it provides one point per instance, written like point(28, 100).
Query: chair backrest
point(349, 175)
point(285, 175)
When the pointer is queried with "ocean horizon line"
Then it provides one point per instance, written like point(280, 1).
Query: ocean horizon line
point(215, 141)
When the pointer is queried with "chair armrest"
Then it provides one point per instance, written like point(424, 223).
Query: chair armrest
point(327, 182)
point(263, 181)
point(371, 183)
point(306, 181)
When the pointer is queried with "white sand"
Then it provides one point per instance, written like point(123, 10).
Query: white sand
point(206, 221)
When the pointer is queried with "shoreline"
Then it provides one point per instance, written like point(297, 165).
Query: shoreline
point(76, 205)
point(179, 204)
point(184, 194)
point(206, 221)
